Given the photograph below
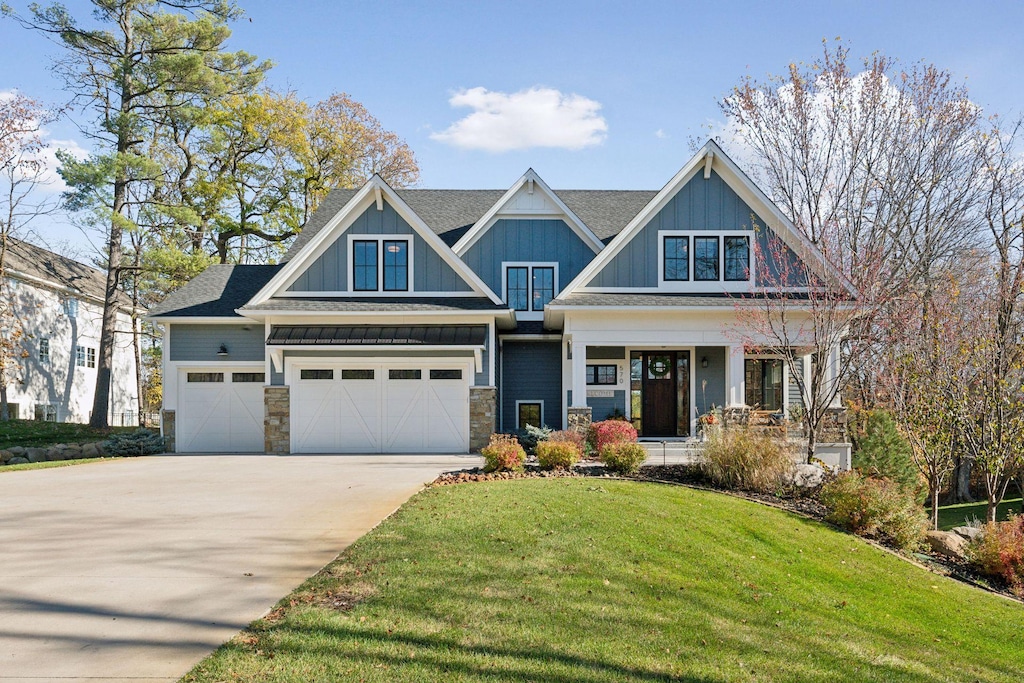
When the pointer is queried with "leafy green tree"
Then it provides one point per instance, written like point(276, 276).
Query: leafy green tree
point(119, 68)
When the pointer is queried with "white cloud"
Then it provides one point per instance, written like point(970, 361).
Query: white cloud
point(48, 180)
point(537, 117)
point(660, 134)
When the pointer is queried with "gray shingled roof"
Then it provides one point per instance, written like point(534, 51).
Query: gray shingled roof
point(34, 261)
point(600, 299)
point(377, 304)
point(217, 291)
point(451, 213)
point(354, 335)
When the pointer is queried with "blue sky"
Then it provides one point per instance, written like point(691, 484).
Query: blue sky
point(646, 76)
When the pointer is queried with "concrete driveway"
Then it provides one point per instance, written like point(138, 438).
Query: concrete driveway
point(136, 569)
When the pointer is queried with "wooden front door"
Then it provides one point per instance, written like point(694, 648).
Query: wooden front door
point(659, 393)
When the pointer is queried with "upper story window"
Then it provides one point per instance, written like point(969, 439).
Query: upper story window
point(44, 350)
point(380, 264)
point(703, 262)
point(529, 287)
point(71, 307)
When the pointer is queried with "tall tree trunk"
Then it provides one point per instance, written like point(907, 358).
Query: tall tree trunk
point(104, 369)
point(135, 334)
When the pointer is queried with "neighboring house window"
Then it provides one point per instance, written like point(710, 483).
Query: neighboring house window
point(71, 307)
point(90, 357)
point(737, 258)
point(380, 265)
point(364, 266)
point(677, 258)
point(45, 412)
point(602, 374)
point(705, 258)
point(13, 411)
point(531, 413)
point(44, 350)
point(80, 356)
point(529, 287)
point(764, 383)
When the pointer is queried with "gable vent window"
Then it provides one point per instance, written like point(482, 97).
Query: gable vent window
point(529, 287)
point(702, 261)
point(380, 265)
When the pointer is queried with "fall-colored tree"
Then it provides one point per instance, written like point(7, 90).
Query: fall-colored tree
point(117, 68)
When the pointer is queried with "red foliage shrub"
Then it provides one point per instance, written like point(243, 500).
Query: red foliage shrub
point(503, 452)
point(1000, 552)
point(609, 432)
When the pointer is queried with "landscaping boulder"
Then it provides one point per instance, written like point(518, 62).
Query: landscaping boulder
point(54, 453)
point(35, 454)
point(806, 476)
point(5, 456)
point(89, 450)
point(18, 451)
point(72, 452)
point(971, 533)
point(947, 544)
point(17, 460)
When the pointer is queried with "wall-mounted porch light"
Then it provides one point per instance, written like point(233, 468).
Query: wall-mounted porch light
point(704, 362)
point(223, 350)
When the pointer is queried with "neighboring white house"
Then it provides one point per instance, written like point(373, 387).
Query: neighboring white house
point(60, 305)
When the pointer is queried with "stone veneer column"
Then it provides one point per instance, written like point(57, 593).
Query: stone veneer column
point(167, 427)
point(277, 420)
point(483, 413)
point(579, 419)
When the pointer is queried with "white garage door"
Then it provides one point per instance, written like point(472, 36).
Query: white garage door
point(380, 408)
point(219, 411)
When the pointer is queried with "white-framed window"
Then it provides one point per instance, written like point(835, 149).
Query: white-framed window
point(85, 356)
point(705, 261)
point(45, 412)
point(44, 350)
point(70, 305)
point(380, 263)
point(527, 287)
point(529, 413)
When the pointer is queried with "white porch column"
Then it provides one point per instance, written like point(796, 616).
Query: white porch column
point(734, 379)
point(579, 375)
point(833, 376)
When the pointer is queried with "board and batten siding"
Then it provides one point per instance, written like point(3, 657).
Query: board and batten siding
point(197, 342)
point(533, 240)
point(531, 371)
point(709, 382)
point(699, 205)
point(329, 273)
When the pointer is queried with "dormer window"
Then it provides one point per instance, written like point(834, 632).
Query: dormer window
point(701, 261)
point(380, 264)
point(529, 287)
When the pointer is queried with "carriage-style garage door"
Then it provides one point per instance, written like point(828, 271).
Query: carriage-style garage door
point(220, 410)
point(380, 407)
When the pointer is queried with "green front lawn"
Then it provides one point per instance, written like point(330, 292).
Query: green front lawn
point(588, 580)
point(35, 433)
point(53, 463)
point(958, 515)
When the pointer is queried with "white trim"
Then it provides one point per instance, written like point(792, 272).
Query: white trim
point(530, 402)
point(379, 294)
point(492, 346)
point(206, 320)
point(739, 183)
point(338, 348)
point(343, 220)
point(363, 314)
point(379, 291)
point(530, 178)
point(721, 285)
point(529, 313)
